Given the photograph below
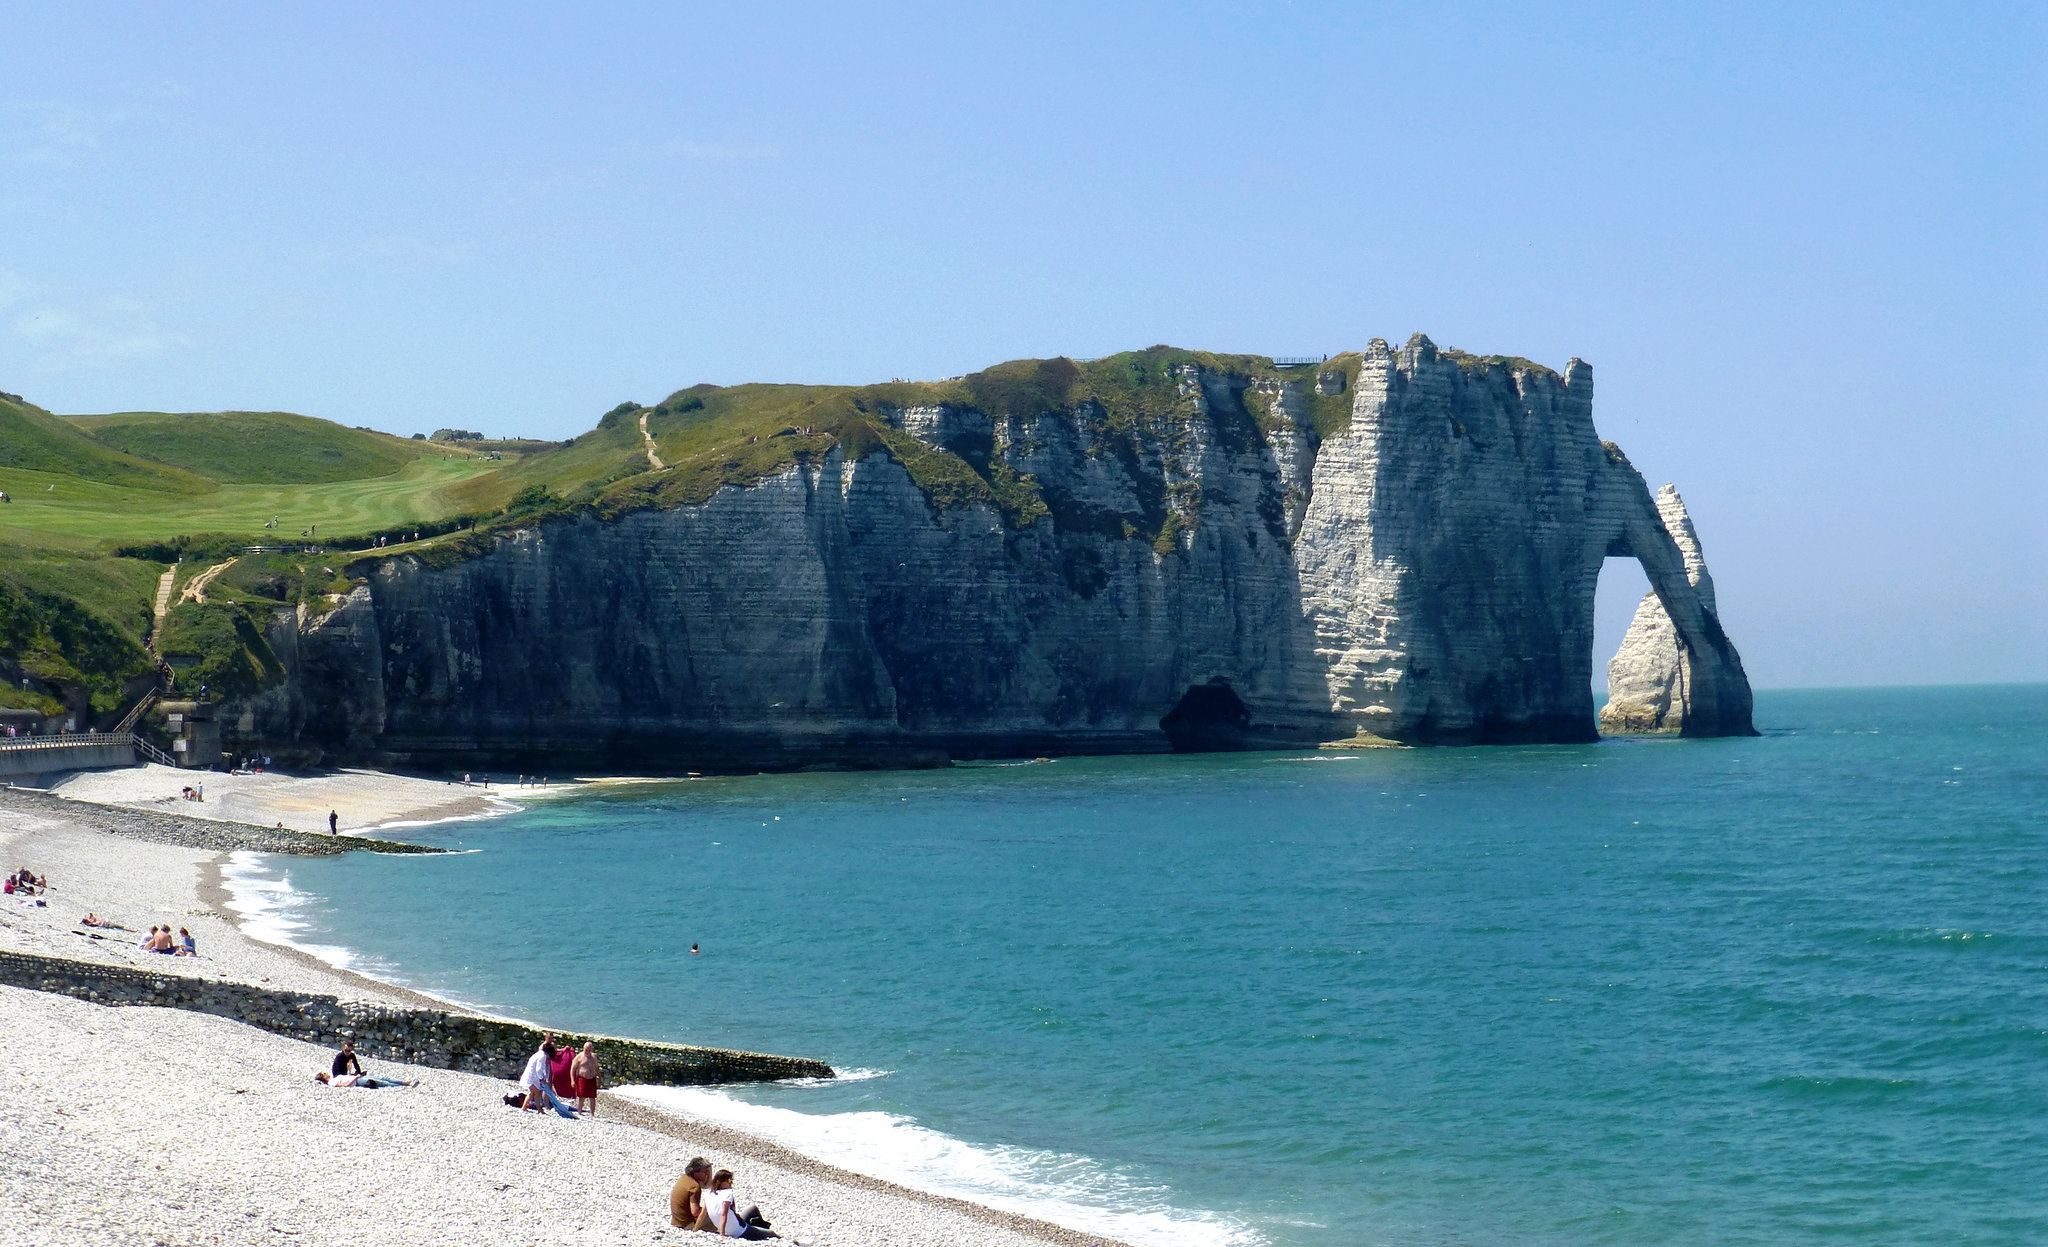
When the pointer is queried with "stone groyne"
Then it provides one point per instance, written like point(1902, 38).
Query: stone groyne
point(430, 1037)
point(217, 836)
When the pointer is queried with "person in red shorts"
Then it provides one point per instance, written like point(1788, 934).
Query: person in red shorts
point(584, 1072)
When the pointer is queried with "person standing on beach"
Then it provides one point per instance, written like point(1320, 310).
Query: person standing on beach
point(686, 1197)
point(333, 823)
point(539, 1095)
point(583, 1075)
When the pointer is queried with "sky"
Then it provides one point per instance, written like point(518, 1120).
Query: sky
point(1803, 246)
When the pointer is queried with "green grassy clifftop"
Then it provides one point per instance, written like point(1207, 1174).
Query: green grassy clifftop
point(330, 499)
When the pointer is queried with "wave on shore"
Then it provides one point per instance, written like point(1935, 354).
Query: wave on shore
point(268, 908)
point(1065, 1189)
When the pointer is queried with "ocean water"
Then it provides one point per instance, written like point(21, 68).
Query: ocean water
point(1792, 989)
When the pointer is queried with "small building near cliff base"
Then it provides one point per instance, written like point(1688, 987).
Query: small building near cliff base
point(195, 732)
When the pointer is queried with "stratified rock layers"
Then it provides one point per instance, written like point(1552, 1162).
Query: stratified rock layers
point(1215, 578)
point(1650, 679)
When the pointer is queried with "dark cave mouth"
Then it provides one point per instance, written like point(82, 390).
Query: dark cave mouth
point(1208, 717)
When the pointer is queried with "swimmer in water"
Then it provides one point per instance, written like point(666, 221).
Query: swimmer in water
point(693, 950)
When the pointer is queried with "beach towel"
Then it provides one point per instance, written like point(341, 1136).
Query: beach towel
point(558, 1073)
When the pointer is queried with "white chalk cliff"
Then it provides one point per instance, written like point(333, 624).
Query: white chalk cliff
point(1206, 573)
point(1650, 679)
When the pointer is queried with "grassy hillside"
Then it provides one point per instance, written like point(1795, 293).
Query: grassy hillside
point(54, 509)
point(32, 439)
point(98, 508)
point(255, 447)
point(72, 628)
point(712, 436)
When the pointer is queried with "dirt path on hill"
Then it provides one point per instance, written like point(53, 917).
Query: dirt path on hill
point(652, 458)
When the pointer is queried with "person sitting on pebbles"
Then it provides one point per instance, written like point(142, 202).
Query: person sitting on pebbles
point(346, 1070)
point(722, 1214)
point(686, 1197)
point(162, 942)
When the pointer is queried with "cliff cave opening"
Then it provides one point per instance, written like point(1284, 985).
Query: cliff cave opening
point(1209, 716)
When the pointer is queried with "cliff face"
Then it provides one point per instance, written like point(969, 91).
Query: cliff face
point(1214, 576)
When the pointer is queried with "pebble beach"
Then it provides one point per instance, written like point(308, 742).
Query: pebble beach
point(131, 1125)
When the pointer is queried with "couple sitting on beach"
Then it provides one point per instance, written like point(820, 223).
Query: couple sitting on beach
point(159, 940)
point(703, 1200)
point(558, 1070)
point(348, 1072)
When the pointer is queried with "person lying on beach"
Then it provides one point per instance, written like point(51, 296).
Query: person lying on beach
point(722, 1214)
point(686, 1197)
point(362, 1080)
point(94, 920)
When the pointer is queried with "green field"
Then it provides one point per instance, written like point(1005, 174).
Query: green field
point(65, 510)
point(254, 447)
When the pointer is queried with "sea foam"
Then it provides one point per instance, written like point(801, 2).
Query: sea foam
point(1065, 1189)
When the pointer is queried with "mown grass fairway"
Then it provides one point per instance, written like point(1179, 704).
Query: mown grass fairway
point(255, 447)
point(76, 512)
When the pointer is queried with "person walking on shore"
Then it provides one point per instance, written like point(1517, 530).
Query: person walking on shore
point(333, 823)
point(686, 1197)
point(583, 1074)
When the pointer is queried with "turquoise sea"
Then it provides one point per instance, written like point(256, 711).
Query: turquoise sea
point(1791, 989)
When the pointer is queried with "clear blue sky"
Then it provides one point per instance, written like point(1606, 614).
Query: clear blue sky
point(1802, 247)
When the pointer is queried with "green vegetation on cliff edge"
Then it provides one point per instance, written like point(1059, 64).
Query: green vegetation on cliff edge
point(86, 490)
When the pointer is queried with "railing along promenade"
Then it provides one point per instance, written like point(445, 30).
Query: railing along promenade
point(33, 755)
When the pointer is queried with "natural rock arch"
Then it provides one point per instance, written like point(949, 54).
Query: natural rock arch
point(1676, 671)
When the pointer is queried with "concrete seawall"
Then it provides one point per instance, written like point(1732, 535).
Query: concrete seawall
point(39, 755)
point(431, 1037)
